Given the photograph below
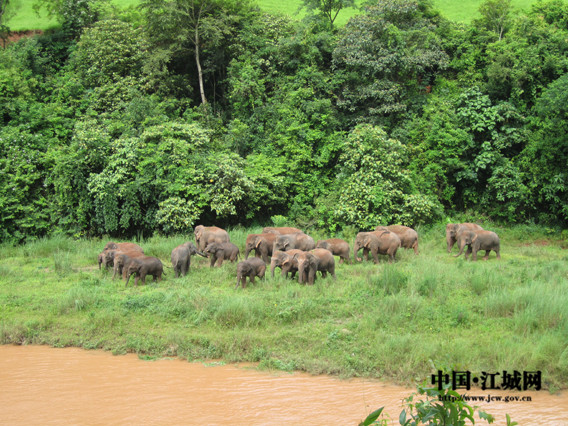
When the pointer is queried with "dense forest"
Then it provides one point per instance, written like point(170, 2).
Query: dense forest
point(177, 112)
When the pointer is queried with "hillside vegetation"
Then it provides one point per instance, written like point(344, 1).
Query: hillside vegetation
point(116, 124)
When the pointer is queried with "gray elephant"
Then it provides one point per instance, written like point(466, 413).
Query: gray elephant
point(298, 241)
point(261, 243)
point(452, 230)
point(336, 246)
point(378, 242)
point(285, 261)
point(181, 258)
point(251, 268)
point(307, 267)
point(218, 252)
point(140, 267)
point(205, 235)
point(122, 260)
point(281, 230)
point(478, 240)
point(408, 236)
point(326, 261)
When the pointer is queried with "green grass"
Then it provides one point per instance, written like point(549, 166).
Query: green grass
point(22, 17)
point(394, 321)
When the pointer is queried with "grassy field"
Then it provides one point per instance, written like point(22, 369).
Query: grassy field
point(22, 17)
point(398, 322)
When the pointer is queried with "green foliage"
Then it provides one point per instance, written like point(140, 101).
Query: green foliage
point(386, 57)
point(326, 10)
point(375, 184)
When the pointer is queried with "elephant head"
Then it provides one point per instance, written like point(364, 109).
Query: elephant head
point(465, 238)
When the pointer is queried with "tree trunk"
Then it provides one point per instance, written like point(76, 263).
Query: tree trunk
point(199, 72)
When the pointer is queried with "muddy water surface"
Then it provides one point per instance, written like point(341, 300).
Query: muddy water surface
point(42, 385)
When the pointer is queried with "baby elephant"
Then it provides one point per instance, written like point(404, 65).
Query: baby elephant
point(221, 251)
point(181, 258)
point(253, 267)
point(142, 266)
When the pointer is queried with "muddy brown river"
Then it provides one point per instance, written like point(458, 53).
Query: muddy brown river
point(43, 385)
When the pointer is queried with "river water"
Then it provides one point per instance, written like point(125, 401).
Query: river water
point(41, 385)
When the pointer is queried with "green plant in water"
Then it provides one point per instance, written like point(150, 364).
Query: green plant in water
point(441, 407)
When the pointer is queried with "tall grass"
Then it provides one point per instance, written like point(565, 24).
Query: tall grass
point(397, 321)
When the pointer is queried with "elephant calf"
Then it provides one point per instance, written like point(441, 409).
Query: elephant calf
point(326, 261)
point(122, 260)
point(285, 261)
point(253, 267)
point(453, 229)
point(221, 251)
point(307, 266)
point(478, 240)
point(337, 247)
point(142, 266)
point(181, 258)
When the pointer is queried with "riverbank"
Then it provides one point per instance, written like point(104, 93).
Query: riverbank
point(398, 322)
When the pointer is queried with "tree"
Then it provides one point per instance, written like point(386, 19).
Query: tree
point(386, 58)
point(496, 15)
point(326, 9)
point(192, 27)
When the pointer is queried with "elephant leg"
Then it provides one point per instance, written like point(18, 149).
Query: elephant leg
point(486, 257)
point(497, 253)
point(323, 274)
point(415, 247)
point(213, 260)
point(469, 251)
point(220, 261)
point(366, 253)
point(375, 256)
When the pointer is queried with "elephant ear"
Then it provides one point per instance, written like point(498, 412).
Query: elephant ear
point(474, 238)
point(258, 243)
point(286, 243)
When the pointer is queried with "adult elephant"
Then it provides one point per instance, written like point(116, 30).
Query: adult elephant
point(250, 268)
point(205, 235)
point(337, 247)
point(452, 230)
point(298, 241)
point(261, 243)
point(285, 261)
point(408, 236)
point(181, 258)
point(378, 242)
point(140, 267)
point(281, 230)
point(478, 240)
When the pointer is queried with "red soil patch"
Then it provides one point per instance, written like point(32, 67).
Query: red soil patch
point(17, 35)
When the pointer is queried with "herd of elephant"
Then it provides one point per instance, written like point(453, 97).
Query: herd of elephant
point(289, 248)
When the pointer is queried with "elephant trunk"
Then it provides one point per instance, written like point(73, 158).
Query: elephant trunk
point(247, 251)
point(201, 254)
point(462, 246)
point(238, 281)
point(355, 251)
